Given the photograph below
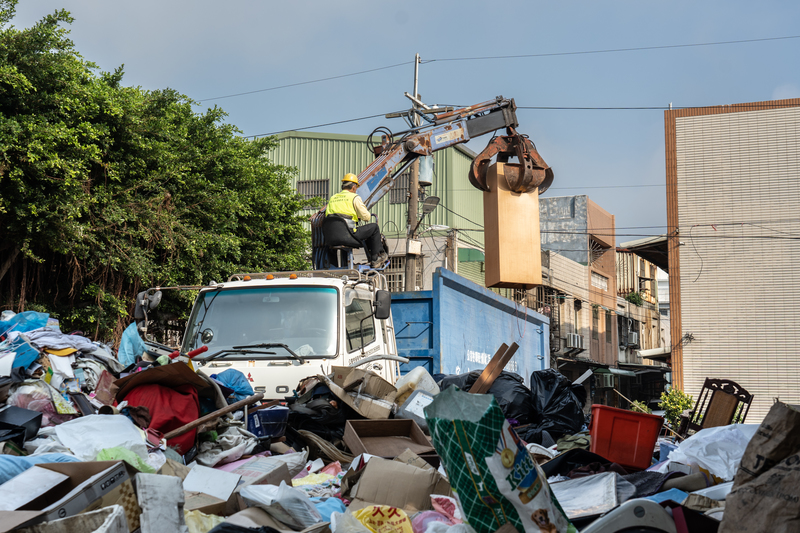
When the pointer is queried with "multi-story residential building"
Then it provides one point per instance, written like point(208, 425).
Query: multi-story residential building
point(733, 198)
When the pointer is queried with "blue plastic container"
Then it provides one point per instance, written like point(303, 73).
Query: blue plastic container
point(269, 422)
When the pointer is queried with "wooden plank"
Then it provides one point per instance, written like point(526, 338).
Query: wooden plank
point(491, 371)
point(489, 367)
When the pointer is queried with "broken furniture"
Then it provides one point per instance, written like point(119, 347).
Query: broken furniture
point(721, 402)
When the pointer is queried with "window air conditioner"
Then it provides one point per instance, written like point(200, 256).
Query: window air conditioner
point(575, 341)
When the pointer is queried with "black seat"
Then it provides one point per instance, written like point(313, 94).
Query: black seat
point(336, 233)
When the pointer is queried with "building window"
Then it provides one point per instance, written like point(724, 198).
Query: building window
point(595, 324)
point(608, 327)
point(601, 282)
point(398, 194)
point(396, 273)
point(313, 189)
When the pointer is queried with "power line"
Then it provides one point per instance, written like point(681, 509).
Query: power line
point(307, 82)
point(315, 126)
point(613, 50)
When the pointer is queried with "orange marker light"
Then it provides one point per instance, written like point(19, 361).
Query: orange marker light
point(270, 276)
point(246, 278)
point(293, 276)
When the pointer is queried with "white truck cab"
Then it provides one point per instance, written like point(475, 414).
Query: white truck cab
point(279, 328)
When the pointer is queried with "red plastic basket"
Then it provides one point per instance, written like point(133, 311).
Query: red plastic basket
point(624, 437)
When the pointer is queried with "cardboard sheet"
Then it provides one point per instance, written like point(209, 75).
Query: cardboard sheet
point(211, 481)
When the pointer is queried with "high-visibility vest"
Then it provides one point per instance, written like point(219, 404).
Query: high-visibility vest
point(342, 204)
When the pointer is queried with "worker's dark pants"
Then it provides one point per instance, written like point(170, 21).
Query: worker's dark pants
point(370, 235)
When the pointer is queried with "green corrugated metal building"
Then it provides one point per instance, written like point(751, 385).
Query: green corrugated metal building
point(323, 158)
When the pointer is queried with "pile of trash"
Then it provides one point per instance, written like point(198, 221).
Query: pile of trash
point(93, 439)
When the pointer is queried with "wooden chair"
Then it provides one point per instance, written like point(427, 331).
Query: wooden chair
point(721, 402)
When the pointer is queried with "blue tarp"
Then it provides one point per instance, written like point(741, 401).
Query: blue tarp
point(233, 379)
point(23, 322)
point(131, 345)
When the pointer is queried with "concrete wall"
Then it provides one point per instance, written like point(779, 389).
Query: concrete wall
point(564, 222)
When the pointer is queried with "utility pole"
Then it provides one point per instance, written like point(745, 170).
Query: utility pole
point(413, 201)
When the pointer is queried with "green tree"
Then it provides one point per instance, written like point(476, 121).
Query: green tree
point(674, 403)
point(107, 189)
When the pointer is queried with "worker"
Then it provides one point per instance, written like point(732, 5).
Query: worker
point(348, 205)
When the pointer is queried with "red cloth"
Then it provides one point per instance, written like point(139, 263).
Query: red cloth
point(170, 408)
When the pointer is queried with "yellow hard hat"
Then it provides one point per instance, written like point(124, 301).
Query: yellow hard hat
point(351, 178)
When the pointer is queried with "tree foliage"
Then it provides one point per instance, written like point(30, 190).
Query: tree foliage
point(107, 189)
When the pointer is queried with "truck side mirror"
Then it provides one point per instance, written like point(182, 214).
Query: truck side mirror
point(382, 304)
point(145, 302)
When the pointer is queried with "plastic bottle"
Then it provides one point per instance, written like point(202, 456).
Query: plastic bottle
point(417, 379)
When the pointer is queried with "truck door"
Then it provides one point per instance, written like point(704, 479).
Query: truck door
point(361, 331)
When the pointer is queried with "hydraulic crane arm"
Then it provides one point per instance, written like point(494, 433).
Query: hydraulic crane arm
point(448, 129)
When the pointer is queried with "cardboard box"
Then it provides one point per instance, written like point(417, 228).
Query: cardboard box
point(366, 392)
point(198, 501)
point(386, 438)
point(262, 471)
point(71, 489)
point(410, 487)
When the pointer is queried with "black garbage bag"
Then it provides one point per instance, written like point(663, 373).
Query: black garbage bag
point(558, 408)
point(508, 389)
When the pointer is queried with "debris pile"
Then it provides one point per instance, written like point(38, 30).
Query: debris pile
point(93, 439)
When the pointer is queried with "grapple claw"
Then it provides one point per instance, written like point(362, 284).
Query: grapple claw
point(531, 172)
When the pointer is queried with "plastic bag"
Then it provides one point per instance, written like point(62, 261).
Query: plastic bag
point(384, 519)
point(25, 321)
point(347, 523)
point(286, 504)
point(198, 522)
point(509, 389)
point(88, 435)
point(423, 519)
point(328, 506)
point(235, 380)
point(441, 527)
point(559, 409)
point(719, 450)
point(37, 395)
point(491, 473)
point(123, 454)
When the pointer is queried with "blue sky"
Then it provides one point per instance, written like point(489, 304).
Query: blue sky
point(208, 49)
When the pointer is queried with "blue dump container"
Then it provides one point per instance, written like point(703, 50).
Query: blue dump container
point(269, 422)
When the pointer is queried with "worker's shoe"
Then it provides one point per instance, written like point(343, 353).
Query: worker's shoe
point(380, 260)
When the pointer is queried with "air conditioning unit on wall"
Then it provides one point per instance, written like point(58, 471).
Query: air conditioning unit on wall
point(633, 338)
point(575, 341)
point(605, 381)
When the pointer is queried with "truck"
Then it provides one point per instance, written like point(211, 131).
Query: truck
point(458, 325)
point(282, 327)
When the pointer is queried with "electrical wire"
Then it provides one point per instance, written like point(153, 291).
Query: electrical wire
point(314, 126)
point(308, 82)
point(611, 50)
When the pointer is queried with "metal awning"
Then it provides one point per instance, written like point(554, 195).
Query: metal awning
point(617, 371)
point(653, 249)
point(470, 255)
point(656, 354)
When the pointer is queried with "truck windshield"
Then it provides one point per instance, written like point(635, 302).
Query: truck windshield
point(303, 318)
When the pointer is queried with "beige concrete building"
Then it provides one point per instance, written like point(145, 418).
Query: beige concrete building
point(733, 209)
